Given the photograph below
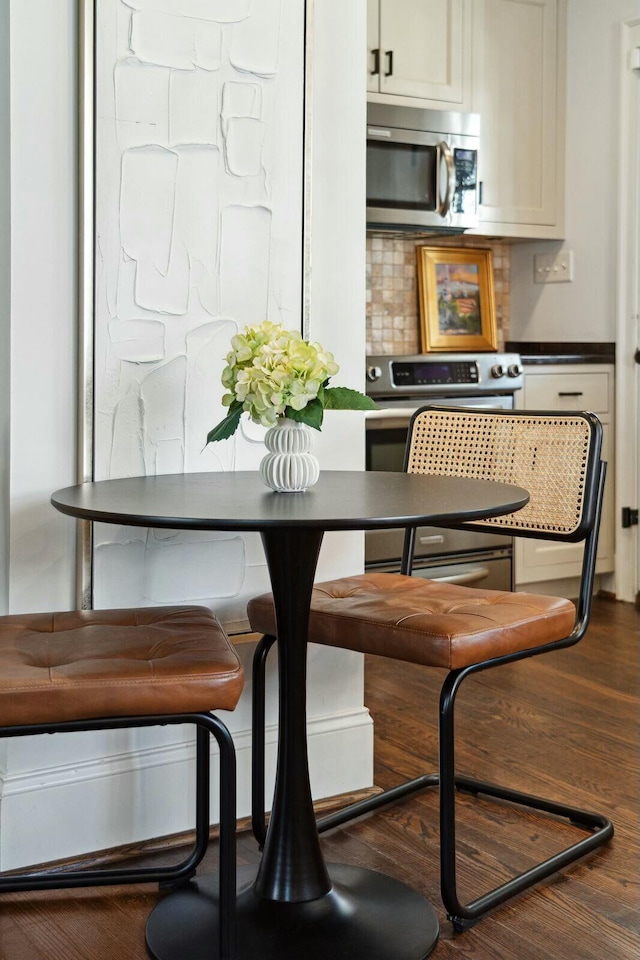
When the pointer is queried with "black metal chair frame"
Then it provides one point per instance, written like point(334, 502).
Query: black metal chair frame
point(599, 827)
point(176, 874)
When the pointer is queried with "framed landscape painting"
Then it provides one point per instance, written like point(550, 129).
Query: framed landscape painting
point(457, 307)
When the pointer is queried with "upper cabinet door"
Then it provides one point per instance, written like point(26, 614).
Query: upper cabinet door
point(424, 52)
point(373, 46)
point(518, 94)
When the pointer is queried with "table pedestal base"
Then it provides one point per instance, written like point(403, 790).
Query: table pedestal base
point(365, 915)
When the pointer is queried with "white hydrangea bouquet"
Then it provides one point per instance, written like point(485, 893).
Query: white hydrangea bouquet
point(272, 373)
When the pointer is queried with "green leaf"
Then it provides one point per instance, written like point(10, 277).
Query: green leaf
point(343, 398)
point(227, 427)
point(312, 414)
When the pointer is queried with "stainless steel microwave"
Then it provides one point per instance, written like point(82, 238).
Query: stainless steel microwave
point(422, 168)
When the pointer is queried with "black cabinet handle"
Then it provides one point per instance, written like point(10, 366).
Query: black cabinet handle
point(376, 62)
point(389, 56)
point(570, 393)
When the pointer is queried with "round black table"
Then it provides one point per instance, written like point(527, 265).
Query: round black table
point(297, 907)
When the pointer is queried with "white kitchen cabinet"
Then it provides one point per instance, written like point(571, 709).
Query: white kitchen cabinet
point(503, 59)
point(519, 92)
point(420, 53)
point(567, 387)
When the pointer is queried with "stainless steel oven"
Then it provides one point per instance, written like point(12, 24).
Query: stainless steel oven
point(400, 385)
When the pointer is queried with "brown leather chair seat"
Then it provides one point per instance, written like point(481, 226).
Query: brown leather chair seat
point(108, 663)
point(422, 621)
point(109, 669)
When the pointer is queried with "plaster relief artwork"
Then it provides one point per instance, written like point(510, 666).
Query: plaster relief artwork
point(198, 231)
point(142, 92)
point(147, 204)
point(256, 42)
point(181, 42)
point(243, 143)
point(244, 262)
point(192, 112)
point(220, 11)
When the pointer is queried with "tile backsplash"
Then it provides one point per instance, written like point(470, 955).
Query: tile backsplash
point(392, 292)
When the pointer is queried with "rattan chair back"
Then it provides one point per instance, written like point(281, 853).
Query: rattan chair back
point(553, 456)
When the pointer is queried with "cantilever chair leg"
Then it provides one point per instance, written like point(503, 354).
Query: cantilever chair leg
point(462, 916)
point(206, 724)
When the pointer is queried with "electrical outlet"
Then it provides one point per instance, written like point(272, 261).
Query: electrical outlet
point(550, 268)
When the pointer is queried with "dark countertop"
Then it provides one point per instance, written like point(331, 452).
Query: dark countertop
point(562, 352)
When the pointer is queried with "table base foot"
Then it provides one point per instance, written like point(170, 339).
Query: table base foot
point(365, 915)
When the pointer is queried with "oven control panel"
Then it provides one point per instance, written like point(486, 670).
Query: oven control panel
point(434, 372)
point(444, 375)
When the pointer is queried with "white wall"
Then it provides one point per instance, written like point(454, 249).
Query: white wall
point(584, 310)
point(103, 781)
point(5, 288)
point(43, 300)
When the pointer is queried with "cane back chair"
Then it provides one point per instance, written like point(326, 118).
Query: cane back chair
point(108, 669)
point(462, 630)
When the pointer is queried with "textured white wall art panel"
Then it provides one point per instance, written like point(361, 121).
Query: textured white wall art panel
point(141, 91)
point(256, 46)
point(199, 109)
point(244, 261)
point(191, 115)
point(220, 11)
point(176, 41)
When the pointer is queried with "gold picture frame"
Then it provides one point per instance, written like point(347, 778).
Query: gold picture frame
point(456, 296)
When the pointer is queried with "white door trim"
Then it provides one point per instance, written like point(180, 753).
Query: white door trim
point(628, 315)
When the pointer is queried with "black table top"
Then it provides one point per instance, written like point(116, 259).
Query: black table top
point(341, 500)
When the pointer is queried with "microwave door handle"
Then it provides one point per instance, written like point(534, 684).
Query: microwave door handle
point(445, 172)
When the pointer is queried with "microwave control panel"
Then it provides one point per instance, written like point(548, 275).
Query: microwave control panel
point(465, 163)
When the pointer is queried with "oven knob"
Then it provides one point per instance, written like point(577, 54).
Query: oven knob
point(497, 371)
point(514, 369)
point(373, 373)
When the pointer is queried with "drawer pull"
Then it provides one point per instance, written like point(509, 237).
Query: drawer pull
point(436, 538)
point(570, 393)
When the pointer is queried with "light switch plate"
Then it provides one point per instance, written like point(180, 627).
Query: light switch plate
point(553, 268)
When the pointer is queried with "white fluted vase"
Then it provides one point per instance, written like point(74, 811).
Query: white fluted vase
point(289, 467)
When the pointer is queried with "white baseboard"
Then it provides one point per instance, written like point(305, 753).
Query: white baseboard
point(72, 808)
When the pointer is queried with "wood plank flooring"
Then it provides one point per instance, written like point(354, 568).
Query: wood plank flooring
point(564, 725)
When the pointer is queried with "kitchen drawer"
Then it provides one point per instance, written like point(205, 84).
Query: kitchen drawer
point(567, 391)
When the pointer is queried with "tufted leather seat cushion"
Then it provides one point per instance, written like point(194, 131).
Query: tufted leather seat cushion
point(422, 621)
point(107, 663)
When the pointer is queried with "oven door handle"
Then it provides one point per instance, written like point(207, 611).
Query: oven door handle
point(471, 576)
point(392, 413)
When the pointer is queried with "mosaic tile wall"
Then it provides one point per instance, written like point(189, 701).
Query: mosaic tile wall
point(392, 294)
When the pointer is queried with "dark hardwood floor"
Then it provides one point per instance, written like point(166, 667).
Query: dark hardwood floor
point(564, 726)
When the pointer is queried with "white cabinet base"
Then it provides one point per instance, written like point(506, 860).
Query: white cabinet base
point(564, 388)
